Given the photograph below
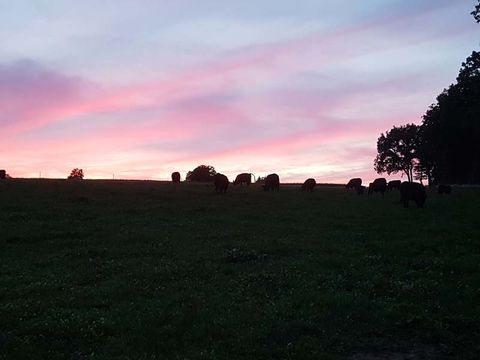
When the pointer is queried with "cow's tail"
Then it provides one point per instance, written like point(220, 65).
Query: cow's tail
point(253, 178)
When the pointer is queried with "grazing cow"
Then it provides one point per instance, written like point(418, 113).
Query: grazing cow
point(360, 190)
point(353, 183)
point(444, 189)
point(3, 174)
point(309, 184)
point(394, 184)
point(412, 191)
point(221, 183)
point(244, 178)
point(272, 182)
point(176, 177)
point(378, 185)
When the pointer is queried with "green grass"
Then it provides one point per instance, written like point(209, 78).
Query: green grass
point(146, 270)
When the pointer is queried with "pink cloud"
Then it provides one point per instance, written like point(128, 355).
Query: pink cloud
point(193, 125)
point(280, 146)
point(198, 127)
point(52, 97)
point(27, 89)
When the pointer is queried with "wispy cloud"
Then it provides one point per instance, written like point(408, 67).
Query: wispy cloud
point(310, 100)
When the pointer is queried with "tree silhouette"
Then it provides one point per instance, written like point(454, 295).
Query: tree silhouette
point(426, 166)
point(76, 174)
point(397, 151)
point(476, 12)
point(451, 129)
point(201, 173)
point(445, 148)
point(260, 180)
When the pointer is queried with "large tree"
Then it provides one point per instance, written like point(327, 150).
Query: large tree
point(450, 149)
point(446, 147)
point(397, 151)
point(451, 128)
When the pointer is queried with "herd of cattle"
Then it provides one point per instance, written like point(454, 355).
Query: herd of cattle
point(409, 191)
point(272, 182)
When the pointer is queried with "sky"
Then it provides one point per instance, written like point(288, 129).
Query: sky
point(137, 89)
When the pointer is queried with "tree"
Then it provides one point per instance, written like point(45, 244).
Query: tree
point(446, 148)
point(451, 129)
point(260, 180)
point(426, 165)
point(476, 12)
point(76, 174)
point(397, 151)
point(201, 173)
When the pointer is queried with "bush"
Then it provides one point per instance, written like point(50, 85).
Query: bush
point(76, 174)
point(201, 173)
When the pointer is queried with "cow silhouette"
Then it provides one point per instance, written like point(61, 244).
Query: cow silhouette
point(176, 177)
point(221, 183)
point(394, 184)
point(378, 185)
point(272, 182)
point(244, 178)
point(353, 183)
point(309, 184)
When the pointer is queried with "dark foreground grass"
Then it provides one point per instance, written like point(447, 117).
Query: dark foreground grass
point(147, 270)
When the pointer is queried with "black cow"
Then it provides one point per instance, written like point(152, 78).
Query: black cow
point(3, 174)
point(394, 184)
point(444, 189)
point(221, 183)
point(378, 185)
point(412, 191)
point(244, 178)
point(272, 182)
point(309, 184)
point(176, 177)
point(353, 183)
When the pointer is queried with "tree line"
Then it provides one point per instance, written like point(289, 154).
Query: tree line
point(445, 147)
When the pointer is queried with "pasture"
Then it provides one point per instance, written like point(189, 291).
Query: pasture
point(150, 270)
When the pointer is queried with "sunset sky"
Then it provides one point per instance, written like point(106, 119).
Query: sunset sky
point(141, 88)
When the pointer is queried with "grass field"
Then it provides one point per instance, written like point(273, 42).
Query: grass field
point(149, 270)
